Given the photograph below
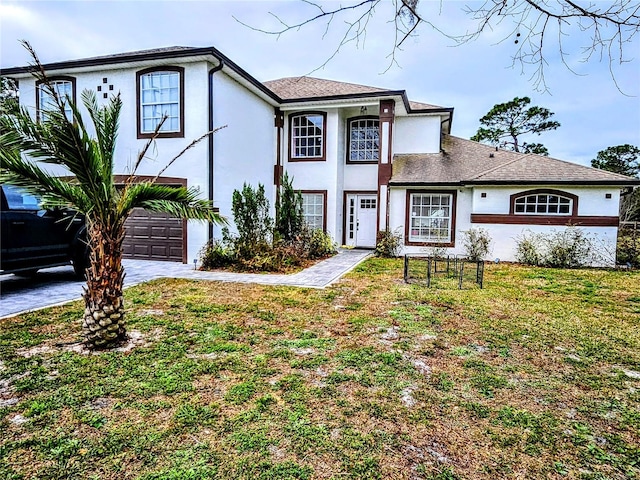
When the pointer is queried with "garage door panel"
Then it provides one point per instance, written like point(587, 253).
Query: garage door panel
point(153, 236)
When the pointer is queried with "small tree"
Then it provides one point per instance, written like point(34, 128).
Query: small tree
point(289, 219)
point(251, 215)
point(505, 124)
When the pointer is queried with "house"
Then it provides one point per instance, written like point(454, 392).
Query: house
point(366, 159)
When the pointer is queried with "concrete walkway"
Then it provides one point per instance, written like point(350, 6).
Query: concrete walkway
point(56, 286)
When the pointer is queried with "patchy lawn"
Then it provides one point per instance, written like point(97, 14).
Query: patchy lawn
point(536, 376)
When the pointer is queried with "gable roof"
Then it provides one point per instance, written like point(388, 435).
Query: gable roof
point(290, 88)
point(464, 162)
point(300, 89)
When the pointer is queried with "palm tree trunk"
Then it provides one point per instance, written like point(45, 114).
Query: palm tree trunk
point(103, 324)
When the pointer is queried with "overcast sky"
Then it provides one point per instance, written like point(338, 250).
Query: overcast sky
point(471, 78)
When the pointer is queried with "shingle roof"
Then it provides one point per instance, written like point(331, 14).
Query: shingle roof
point(306, 88)
point(310, 87)
point(466, 162)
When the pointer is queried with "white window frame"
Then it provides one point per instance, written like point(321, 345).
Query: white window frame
point(429, 218)
point(64, 88)
point(313, 209)
point(363, 132)
point(305, 144)
point(166, 85)
point(543, 204)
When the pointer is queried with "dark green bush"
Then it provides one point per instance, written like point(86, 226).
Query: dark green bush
point(628, 252)
point(258, 246)
point(289, 220)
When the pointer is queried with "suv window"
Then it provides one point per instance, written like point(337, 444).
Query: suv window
point(19, 200)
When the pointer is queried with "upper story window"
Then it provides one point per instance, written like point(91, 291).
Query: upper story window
point(544, 202)
point(431, 217)
point(364, 140)
point(160, 95)
point(65, 88)
point(308, 136)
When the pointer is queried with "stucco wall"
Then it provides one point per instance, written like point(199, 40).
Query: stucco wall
point(416, 134)
point(322, 175)
point(592, 202)
point(245, 150)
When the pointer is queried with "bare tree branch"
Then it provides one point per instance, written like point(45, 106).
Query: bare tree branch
point(607, 26)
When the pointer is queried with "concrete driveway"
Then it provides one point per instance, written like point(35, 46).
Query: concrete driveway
point(55, 286)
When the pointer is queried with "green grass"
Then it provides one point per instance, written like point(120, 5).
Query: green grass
point(368, 379)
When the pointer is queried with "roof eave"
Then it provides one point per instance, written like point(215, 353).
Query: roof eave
point(612, 183)
point(393, 183)
point(136, 57)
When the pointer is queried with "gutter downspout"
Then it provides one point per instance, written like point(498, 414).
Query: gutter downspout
point(210, 166)
point(278, 171)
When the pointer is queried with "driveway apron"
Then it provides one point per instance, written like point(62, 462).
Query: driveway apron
point(56, 286)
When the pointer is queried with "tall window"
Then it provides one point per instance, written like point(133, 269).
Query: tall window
point(431, 217)
point(543, 204)
point(313, 210)
point(160, 94)
point(65, 90)
point(307, 136)
point(364, 140)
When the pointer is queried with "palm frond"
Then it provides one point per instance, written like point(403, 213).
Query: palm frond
point(177, 201)
point(54, 191)
point(106, 121)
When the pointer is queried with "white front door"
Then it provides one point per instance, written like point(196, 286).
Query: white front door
point(362, 216)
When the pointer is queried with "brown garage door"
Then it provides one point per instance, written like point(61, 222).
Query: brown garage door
point(154, 236)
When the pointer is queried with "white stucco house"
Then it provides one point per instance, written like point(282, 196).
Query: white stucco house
point(366, 159)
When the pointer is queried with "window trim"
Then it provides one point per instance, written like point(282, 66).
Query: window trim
point(407, 222)
point(324, 204)
point(146, 71)
point(348, 146)
point(54, 79)
point(544, 191)
point(324, 137)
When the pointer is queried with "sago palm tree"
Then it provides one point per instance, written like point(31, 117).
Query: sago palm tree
point(26, 143)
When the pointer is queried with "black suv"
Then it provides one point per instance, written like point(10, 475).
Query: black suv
point(33, 238)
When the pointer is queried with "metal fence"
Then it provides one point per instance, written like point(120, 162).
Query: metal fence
point(443, 272)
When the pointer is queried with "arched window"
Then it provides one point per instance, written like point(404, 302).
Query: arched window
point(544, 202)
point(160, 94)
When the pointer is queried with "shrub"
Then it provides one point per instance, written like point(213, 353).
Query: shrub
point(476, 243)
point(215, 254)
point(255, 227)
point(320, 244)
point(528, 249)
point(628, 252)
point(289, 220)
point(569, 248)
point(388, 243)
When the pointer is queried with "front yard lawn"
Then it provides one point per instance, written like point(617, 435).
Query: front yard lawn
point(535, 376)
